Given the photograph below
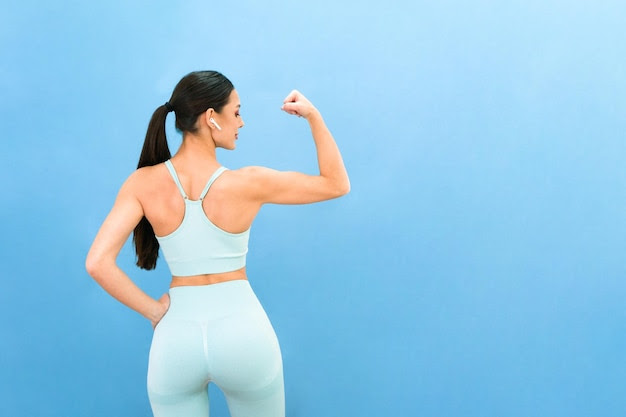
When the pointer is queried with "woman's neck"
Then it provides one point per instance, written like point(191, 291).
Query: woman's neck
point(196, 151)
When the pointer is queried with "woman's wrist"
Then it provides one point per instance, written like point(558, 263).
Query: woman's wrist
point(155, 312)
point(313, 116)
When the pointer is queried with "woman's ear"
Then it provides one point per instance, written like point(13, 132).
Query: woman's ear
point(207, 116)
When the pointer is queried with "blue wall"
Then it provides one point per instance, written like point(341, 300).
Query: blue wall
point(476, 269)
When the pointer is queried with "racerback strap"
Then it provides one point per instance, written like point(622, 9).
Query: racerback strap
point(216, 174)
point(172, 171)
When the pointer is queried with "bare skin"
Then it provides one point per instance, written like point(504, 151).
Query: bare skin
point(232, 202)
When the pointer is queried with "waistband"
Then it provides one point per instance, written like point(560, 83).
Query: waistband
point(213, 300)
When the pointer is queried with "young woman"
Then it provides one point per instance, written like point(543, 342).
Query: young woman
point(210, 327)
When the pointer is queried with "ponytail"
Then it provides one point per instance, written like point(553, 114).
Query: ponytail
point(154, 151)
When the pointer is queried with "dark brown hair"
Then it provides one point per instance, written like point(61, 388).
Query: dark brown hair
point(194, 94)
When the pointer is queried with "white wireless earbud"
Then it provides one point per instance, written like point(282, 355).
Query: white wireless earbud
point(212, 120)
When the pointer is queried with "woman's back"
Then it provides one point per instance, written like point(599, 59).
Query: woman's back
point(226, 204)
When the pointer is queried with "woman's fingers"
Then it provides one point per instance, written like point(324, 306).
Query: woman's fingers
point(165, 303)
point(165, 300)
point(291, 108)
point(292, 97)
point(296, 104)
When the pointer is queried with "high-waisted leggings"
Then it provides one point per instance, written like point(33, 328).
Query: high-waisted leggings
point(215, 333)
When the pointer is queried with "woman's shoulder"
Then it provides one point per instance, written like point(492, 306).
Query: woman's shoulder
point(145, 178)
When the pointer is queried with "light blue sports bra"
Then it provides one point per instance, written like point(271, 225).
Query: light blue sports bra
point(198, 246)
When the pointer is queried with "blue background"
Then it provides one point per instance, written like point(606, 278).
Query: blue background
point(476, 268)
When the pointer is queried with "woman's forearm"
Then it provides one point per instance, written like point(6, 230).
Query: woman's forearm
point(329, 158)
point(121, 287)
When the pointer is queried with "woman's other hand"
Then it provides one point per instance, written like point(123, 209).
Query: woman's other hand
point(163, 306)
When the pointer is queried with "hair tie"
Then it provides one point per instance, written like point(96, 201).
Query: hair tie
point(168, 106)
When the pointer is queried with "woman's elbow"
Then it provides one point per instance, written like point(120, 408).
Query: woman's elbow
point(91, 265)
point(341, 188)
point(94, 265)
point(345, 188)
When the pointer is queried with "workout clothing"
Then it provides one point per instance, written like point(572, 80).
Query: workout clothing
point(215, 333)
point(198, 246)
point(212, 333)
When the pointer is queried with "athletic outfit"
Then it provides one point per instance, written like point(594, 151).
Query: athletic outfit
point(212, 333)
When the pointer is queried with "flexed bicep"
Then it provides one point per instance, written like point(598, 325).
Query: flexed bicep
point(279, 187)
point(288, 187)
point(332, 180)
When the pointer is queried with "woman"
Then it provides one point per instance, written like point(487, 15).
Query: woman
point(211, 327)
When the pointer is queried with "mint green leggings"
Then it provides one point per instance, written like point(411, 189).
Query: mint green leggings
point(215, 333)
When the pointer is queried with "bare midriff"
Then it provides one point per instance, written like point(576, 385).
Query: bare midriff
point(208, 279)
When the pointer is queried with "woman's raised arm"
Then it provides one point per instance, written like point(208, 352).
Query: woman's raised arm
point(271, 186)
